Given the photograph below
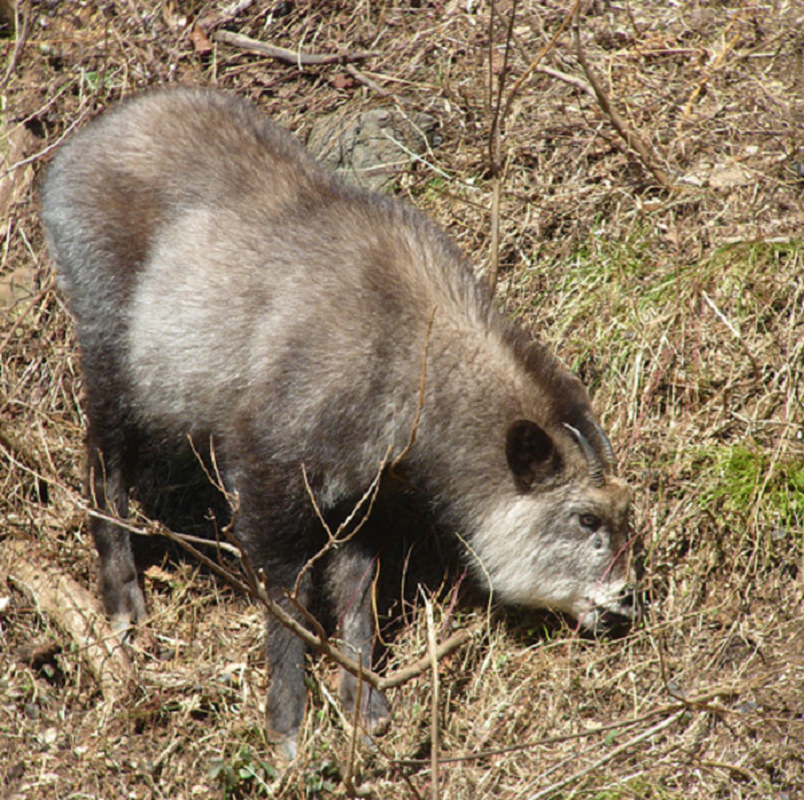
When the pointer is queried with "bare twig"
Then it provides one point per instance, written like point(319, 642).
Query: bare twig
point(251, 584)
point(19, 44)
point(370, 84)
point(495, 154)
point(536, 61)
point(434, 747)
point(628, 136)
point(499, 116)
point(420, 404)
point(225, 15)
point(326, 648)
point(155, 529)
point(569, 79)
point(290, 56)
point(337, 538)
point(353, 790)
point(610, 756)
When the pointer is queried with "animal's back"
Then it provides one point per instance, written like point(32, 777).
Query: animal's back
point(195, 238)
point(133, 172)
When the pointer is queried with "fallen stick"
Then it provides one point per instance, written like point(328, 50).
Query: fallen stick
point(290, 56)
point(76, 612)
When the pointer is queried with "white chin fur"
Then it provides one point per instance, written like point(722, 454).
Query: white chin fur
point(590, 615)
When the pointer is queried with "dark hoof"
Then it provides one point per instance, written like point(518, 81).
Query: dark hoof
point(125, 606)
point(376, 710)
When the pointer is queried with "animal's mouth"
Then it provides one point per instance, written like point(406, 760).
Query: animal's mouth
point(617, 613)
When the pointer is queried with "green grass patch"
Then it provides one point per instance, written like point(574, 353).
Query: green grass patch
point(746, 488)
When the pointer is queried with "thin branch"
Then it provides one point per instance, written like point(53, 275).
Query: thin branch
point(420, 404)
point(611, 755)
point(349, 776)
point(434, 747)
point(495, 154)
point(155, 529)
point(628, 136)
point(19, 44)
point(254, 586)
point(500, 115)
point(289, 56)
point(370, 84)
point(326, 648)
point(536, 61)
point(335, 539)
point(570, 79)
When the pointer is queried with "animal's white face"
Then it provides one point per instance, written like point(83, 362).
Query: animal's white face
point(563, 548)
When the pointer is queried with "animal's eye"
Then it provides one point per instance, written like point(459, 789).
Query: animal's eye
point(590, 521)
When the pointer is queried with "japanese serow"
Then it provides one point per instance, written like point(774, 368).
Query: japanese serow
point(227, 288)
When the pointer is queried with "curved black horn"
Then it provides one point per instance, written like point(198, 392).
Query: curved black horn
point(608, 450)
point(593, 462)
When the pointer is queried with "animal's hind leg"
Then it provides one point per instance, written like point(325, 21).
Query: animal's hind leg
point(112, 457)
point(350, 579)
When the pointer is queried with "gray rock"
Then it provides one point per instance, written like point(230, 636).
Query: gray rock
point(370, 149)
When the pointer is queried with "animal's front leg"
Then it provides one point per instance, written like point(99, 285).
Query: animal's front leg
point(287, 692)
point(350, 579)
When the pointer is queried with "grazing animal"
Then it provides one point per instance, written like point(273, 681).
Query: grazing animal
point(229, 289)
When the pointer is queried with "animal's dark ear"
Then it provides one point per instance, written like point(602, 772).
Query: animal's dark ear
point(529, 451)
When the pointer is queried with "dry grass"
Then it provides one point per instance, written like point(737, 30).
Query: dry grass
point(682, 306)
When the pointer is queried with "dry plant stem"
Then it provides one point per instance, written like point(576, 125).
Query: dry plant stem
point(628, 136)
point(323, 645)
point(78, 613)
point(160, 530)
point(536, 61)
point(570, 79)
point(420, 403)
point(348, 779)
point(500, 115)
point(335, 539)
point(617, 751)
point(349, 776)
point(699, 703)
point(370, 84)
point(225, 15)
point(495, 154)
point(19, 44)
point(434, 748)
point(216, 480)
point(289, 56)
point(494, 266)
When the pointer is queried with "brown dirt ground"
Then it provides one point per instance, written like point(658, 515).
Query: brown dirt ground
point(670, 279)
